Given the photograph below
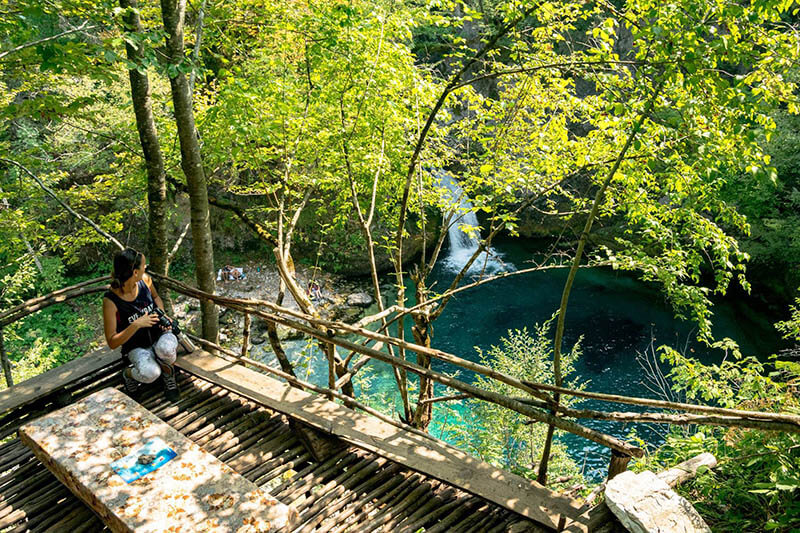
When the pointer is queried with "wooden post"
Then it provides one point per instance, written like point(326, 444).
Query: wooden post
point(619, 463)
point(329, 350)
point(6, 363)
point(246, 334)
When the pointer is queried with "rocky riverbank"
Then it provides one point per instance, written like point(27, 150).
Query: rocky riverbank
point(340, 298)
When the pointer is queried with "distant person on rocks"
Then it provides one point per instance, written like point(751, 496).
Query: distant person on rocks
point(314, 291)
point(230, 273)
point(130, 320)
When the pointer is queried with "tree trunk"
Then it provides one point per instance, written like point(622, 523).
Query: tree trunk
point(422, 330)
point(423, 413)
point(173, 13)
point(198, 39)
point(287, 271)
point(562, 311)
point(5, 362)
point(277, 348)
point(33, 253)
point(154, 162)
point(246, 335)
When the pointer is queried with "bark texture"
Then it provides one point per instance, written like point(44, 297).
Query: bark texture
point(173, 12)
point(154, 161)
point(5, 362)
point(423, 413)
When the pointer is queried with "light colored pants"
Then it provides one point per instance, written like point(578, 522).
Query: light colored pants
point(145, 360)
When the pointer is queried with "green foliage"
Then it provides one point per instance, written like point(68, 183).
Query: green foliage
point(705, 129)
point(302, 105)
point(753, 488)
point(756, 485)
point(309, 109)
point(772, 207)
point(367, 393)
point(791, 327)
point(500, 436)
point(75, 53)
point(52, 337)
point(66, 110)
point(297, 98)
point(735, 380)
point(535, 134)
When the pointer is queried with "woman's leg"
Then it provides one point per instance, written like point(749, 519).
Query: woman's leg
point(145, 367)
point(166, 348)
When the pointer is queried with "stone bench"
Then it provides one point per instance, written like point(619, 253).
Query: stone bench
point(193, 491)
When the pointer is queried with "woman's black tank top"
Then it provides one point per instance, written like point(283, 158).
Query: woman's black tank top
point(127, 312)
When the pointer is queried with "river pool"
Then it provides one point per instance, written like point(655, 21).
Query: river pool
point(618, 316)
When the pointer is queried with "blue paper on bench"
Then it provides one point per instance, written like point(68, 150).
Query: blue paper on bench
point(153, 455)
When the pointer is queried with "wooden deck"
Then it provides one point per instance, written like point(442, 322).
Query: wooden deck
point(356, 490)
point(424, 454)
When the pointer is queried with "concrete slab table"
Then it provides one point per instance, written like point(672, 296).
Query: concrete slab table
point(194, 491)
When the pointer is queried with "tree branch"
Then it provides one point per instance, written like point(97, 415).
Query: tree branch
point(47, 39)
point(71, 211)
point(171, 254)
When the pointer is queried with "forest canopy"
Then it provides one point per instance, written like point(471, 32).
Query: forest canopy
point(649, 137)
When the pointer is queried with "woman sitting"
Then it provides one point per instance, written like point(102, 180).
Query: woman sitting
point(130, 321)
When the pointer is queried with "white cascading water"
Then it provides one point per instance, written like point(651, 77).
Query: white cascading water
point(461, 245)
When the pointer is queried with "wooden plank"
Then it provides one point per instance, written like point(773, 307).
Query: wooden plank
point(194, 491)
point(426, 455)
point(44, 384)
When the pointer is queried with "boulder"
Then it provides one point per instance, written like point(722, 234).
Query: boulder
point(229, 318)
point(258, 332)
point(350, 315)
point(258, 327)
point(286, 333)
point(644, 503)
point(359, 299)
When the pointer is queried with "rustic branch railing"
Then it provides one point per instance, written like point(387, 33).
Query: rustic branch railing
point(533, 388)
point(252, 307)
point(299, 383)
point(33, 305)
point(537, 406)
point(62, 295)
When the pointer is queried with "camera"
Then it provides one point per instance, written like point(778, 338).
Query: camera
point(166, 323)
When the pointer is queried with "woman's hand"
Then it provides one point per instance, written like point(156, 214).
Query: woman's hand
point(146, 321)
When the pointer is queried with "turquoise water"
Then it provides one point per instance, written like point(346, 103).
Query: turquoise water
point(617, 316)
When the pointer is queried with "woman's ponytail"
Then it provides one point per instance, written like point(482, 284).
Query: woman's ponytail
point(125, 262)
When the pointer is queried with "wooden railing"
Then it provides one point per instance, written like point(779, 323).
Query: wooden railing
point(534, 402)
point(33, 305)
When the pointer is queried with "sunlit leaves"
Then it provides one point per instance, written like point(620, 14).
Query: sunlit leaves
point(791, 327)
point(325, 91)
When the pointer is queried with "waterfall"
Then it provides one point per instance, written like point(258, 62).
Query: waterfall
point(461, 244)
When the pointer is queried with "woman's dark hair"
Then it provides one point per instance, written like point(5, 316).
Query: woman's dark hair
point(124, 264)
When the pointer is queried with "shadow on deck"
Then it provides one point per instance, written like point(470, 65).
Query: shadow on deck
point(354, 490)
